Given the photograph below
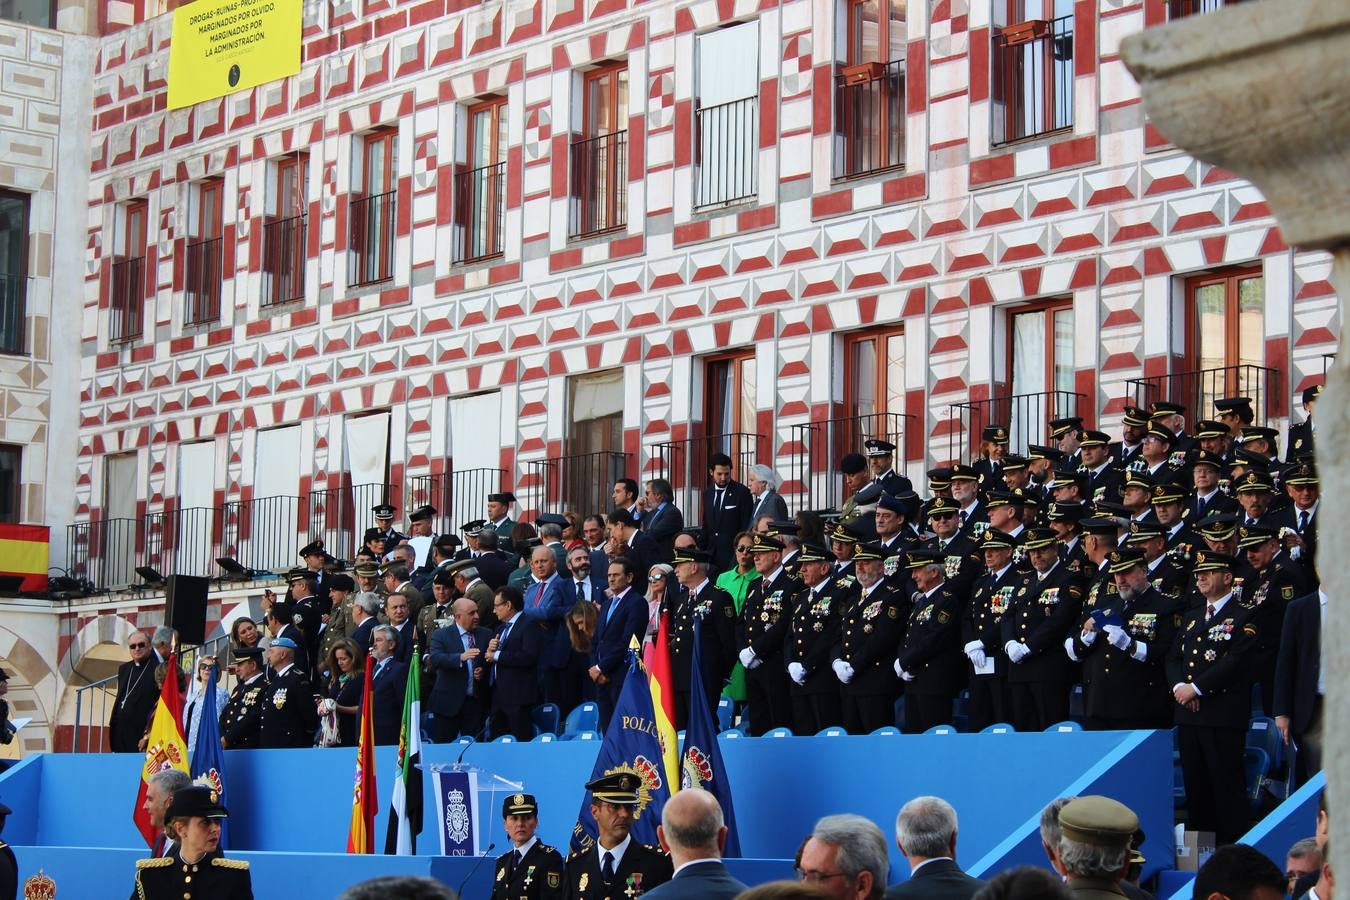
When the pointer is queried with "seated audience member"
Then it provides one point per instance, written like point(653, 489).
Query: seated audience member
point(925, 832)
point(1024, 883)
point(693, 832)
point(1303, 859)
point(846, 854)
point(1238, 872)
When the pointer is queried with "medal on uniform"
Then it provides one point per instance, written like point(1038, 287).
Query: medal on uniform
point(585, 880)
point(279, 698)
point(501, 873)
point(529, 876)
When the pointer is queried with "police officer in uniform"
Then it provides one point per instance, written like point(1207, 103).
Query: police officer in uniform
point(384, 526)
point(698, 598)
point(241, 718)
point(1278, 580)
point(980, 632)
point(813, 632)
point(499, 514)
point(1042, 612)
point(869, 631)
point(531, 869)
point(881, 460)
point(1209, 671)
point(289, 716)
point(1122, 646)
point(929, 663)
point(960, 552)
point(617, 867)
point(763, 624)
point(1301, 441)
point(196, 869)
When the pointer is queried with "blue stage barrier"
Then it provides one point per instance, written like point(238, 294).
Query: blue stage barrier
point(1292, 820)
point(288, 802)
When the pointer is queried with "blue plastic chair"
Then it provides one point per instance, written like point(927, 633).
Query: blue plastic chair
point(584, 736)
point(887, 730)
point(778, 732)
point(1263, 733)
point(1257, 765)
point(1065, 726)
point(732, 734)
point(999, 728)
point(900, 712)
point(586, 717)
point(504, 739)
point(942, 729)
point(546, 717)
point(724, 713)
point(679, 738)
point(544, 737)
point(832, 731)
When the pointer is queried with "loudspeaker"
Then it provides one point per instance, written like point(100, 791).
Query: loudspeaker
point(185, 608)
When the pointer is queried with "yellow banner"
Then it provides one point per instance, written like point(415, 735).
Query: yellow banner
point(23, 557)
point(222, 46)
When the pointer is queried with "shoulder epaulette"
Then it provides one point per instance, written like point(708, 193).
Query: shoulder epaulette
point(230, 863)
point(154, 863)
point(546, 848)
point(655, 849)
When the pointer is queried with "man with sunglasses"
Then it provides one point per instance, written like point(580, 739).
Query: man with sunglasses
point(136, 695)
point(961, 556)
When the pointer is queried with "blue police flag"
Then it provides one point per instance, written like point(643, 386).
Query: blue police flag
point(701, 762)
point(208, 760)
point(630, 745)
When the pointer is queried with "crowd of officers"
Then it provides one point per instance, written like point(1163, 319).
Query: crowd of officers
point(1153, 570)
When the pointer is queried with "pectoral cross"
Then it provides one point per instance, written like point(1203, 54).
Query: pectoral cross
point(631, 891)
point(529, 876)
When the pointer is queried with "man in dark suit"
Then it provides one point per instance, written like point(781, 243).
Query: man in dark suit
point(693, 833)
point(365, 610)
point(925, 832)
point(765, 499)
point(457, 700)
point(663, 519)
point(513, 654)
point(136, 695)
point(388, 683)
point(494, 565)
point(642, 551)
point(726, 512)
point(1298, 681)
point(548, 602)
point(615, 867)
point(585, 581)
point(621, 620)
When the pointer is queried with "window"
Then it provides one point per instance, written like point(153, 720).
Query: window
point(595, 457)
point(1040, 371)
point(128, 274)
point(1032, 69)
point(284, 231)
point(730, 400)
point(41, 13)
point(481, 186)
point(874, 387)
point(1180, 9)
point(1225, 338)
point(727, 116)
point(870, 90)
point(600, 156)
point(11, 459)
point(204, 254)
point(13, 270)
point(371, 211)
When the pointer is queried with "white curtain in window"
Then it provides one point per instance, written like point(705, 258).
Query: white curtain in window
point(597, 396)
point(475, 426)
point(368, 448)
point(276, 471)
point(1028, 376)
point(197, 475)
point(728, 64)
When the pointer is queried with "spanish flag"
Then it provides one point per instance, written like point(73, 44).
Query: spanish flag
point(663, 700)
point(23, 552)
point(361, 832)
point(164, 747)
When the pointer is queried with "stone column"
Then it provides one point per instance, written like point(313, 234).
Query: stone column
point(1263, 89)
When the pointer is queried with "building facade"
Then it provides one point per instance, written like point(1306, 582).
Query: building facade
point(541, 244)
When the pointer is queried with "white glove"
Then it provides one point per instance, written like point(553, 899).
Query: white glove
point(748, 658)
point(797, 671)
point(1087, 637)
point(842, 670)
point(1117, 636)
point(904, 676)
point(1016, 650)
point(1068, 648)
point(975, 650)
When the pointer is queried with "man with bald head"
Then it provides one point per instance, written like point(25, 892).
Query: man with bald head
point(457, 701)
point(693, 833)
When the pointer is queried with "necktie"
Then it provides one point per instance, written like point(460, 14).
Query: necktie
point(534, 597)
point(964, 515)
point(718, 505)
point(607, 866)
point(581, 590)
point(511, 864)
point(468, 664)
point(1209, 612)
point(1302, 520)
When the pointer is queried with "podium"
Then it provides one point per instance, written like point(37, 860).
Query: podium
point(466, 807)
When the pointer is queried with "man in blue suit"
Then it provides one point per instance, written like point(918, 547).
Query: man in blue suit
point(387, 684)
point(693, 833)
point(622, 619)
point(925, 831)
point(457, 700)
point(513, 654)
point(664, 521)
point(548, 600)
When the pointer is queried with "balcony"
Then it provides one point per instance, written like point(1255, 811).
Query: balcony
point(371, 239)
point(459, 496)
point(204, 275)
point(284, 260)
point(684, 463)
point(728, 152)
point(599, 184)
point(1198, 389)
point(181, 541)
point(1026, 416)
point(1180, 9)
point(339, 516)
point(582, 483)
point(13, 312)
point(820, 445)
point(127, 302)
point(480, 212)
point(870, 106)
point(1033, 78)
